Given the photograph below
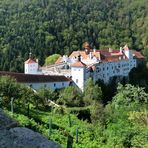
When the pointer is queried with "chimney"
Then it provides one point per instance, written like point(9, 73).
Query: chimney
point(90, 55)
point(37, 60)
point(121, 50)
point(94, 50)
point(110, 50)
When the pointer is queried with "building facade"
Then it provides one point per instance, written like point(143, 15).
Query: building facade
point(39, 81)
point(101, 64)
point(80, 65)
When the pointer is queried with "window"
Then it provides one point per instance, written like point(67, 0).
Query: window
point(76, 80)
point(54, 84)
point(45, 85)
point(62, 84)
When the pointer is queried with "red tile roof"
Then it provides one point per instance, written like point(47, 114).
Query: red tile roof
point(106, 55)
point(113, 56)
point(30, 78)
point(138, 54)
point(106, 52)
point(84, 55)
point(59, 60)
point(78, 64)
point(30, 61)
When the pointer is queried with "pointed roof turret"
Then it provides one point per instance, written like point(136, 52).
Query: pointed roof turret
point(86, 45)
point(126, 47)
point(30, 60)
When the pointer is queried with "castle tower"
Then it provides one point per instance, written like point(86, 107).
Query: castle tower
point(30, 66)
point(87, 47)
point(78, 70)
point(127, 52)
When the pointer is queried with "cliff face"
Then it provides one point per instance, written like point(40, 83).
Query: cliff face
point(20, 137)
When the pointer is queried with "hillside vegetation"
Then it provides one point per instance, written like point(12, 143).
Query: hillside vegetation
point(51, 26)
point(121, 123)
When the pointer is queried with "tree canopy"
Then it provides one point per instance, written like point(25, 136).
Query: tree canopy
point(126, 118)
point(50, 26)
point(51, 59)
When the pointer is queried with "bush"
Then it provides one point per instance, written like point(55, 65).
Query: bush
point(51, 59)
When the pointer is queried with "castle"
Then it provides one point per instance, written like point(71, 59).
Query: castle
point(98, 64)
point(78, 67)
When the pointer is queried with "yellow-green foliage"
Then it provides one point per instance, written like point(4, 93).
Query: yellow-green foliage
point(51, 59)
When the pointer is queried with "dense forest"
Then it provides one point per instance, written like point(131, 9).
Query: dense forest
point(50, 26)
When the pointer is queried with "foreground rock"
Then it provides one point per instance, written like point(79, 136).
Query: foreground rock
point(6, 122)
point(20, 137)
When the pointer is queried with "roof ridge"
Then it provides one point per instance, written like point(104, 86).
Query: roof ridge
point(79, 64)
point(30, 60)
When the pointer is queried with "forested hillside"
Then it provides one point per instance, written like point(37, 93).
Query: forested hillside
point(60, 26)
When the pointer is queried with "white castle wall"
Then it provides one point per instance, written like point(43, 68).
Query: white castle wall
point(51, 85)
point(31, 68)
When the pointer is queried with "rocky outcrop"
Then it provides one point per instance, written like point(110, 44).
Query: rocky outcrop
point(6, 122)
point(20, 137)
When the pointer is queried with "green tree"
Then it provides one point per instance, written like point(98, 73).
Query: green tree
point(44, 95)
point(123, 127)
point(92, 92)
point(51, 59)
point(70, 96)
point(9, 88)
point(21, 94)
point(97, 113)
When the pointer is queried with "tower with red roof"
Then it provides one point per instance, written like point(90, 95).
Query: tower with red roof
point(31, 65)
point(78, 73)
